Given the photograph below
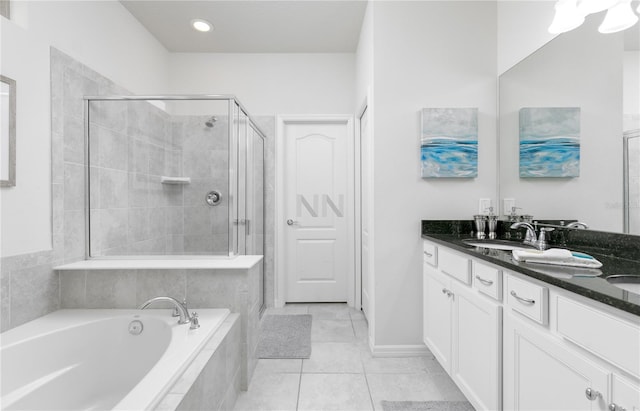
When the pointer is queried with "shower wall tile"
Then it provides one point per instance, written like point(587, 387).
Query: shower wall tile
point(113, 189)
point(72, 289)
point(138, 156)
point(113, 148)
point(57, 158)
point(138, 190)
point(74, 248)
point(57, 200)
point(111, 115)
point(110, 289)
point(73, 132)
point(113, 227)
point(27, 302)
point(75, 87)
point(94, 192)
point(5, 299)
point(172, 195)
point(154, 283)
point(197, 220)
point(73, 186)
point(138, 225)
point(156, 160)
point(175, 220)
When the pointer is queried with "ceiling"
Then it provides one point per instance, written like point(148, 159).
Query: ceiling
point(253, 26)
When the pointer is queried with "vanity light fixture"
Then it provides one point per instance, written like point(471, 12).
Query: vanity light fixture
point(594, 6)
point(201, 25)
point(567, 17)
point(619, 17)
point(570, 14)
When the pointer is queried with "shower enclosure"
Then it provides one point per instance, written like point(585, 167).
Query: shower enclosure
point(631, 164)
point(173, 176)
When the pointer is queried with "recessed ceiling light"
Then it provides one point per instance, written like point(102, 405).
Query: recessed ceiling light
point(201, 25)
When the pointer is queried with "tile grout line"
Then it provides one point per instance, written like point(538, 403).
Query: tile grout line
point(299, 384)
point(366, 380)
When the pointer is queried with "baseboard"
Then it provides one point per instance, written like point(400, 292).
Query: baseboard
point(420, 350)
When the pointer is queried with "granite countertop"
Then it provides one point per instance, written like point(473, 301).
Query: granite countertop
point(596, 288)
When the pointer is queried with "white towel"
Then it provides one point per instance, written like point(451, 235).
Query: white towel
point(556, 256)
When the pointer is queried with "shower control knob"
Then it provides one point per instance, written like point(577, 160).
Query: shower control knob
point(213, 198)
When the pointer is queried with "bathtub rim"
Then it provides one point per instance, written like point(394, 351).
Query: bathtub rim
point(65, 319)
point(240, 262)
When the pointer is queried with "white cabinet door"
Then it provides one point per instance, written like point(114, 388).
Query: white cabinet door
point(437, 315)
point(541, 374)
point(477, 348)
point(625, 395)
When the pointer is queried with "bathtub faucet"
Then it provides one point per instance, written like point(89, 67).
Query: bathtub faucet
point(183, 311)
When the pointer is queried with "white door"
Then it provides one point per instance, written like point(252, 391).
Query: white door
point(365, 187)
point(318, 203)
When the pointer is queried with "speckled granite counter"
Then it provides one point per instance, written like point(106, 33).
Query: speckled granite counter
point(618, 261)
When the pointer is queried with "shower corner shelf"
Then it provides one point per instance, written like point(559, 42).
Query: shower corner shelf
point(175, 180)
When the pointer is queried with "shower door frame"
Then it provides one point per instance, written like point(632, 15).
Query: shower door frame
point(626, 136)
point(233, 102)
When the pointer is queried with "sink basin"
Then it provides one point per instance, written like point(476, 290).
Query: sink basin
point(498, 244)
point(628, 282)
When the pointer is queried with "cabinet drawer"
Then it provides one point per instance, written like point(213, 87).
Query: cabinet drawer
point(529, 299)
point(611, 338)
point(487, 280)
point(430, 253)
point(455, 265)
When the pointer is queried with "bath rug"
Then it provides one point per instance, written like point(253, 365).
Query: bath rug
point(427, 406)
point(285, 336)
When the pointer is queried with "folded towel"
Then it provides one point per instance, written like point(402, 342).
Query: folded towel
point(557, 256)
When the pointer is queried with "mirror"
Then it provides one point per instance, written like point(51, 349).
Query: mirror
point(7, 132)
point(600, 75)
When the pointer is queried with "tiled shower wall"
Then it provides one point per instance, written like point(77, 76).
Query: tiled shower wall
point(29, 287)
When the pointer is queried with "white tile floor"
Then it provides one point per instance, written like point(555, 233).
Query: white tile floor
point(341, 373)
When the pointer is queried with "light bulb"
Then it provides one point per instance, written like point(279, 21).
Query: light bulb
point(567, 17)
point(594, 6)
point(201, 25)
point(619, 17)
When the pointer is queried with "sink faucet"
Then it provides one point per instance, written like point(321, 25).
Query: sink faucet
point(183, 311)
point(530, 238)
point(577, 224)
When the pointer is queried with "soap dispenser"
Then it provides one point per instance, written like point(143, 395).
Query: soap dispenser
point(492, 223)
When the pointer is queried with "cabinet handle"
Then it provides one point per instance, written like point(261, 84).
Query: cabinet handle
point(428, 254)
point(523, 300)
point(615, 407)
point(483, 281)
point(447, 292)
point(591, 394)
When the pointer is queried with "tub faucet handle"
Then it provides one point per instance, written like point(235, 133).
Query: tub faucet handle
point(176, 313)
point(194, 321)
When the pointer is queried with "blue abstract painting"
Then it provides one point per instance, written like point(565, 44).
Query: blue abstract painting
point(449, 142)
point(550, 142)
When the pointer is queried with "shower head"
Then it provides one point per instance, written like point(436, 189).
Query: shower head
point(211, 121)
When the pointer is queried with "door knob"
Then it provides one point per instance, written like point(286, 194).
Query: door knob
point(291, 222)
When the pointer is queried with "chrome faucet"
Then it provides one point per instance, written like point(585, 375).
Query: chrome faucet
point(530, 238)
point(577, 224)
point(181, 308)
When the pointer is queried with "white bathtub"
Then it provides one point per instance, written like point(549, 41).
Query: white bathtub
point(88, 359)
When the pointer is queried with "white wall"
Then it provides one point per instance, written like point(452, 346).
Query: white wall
point(422, 60)
point(103, 36)
point(275, 83)
point(26, 208)
point(522, 29)
point(631, 90)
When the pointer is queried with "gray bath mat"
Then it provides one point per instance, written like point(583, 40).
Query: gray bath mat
point(427, 406)
point(285, 336)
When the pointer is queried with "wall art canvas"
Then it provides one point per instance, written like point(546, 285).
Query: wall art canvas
point(449, 142)
point(550, 142)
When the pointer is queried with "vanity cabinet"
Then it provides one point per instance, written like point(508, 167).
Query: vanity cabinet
point(462, 327)
point(541, 374)
point(512, 342)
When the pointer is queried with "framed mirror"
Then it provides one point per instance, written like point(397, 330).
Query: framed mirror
point(7, 132)
point(597, 75)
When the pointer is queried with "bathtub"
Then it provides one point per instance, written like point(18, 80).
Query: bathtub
point(93, 359)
